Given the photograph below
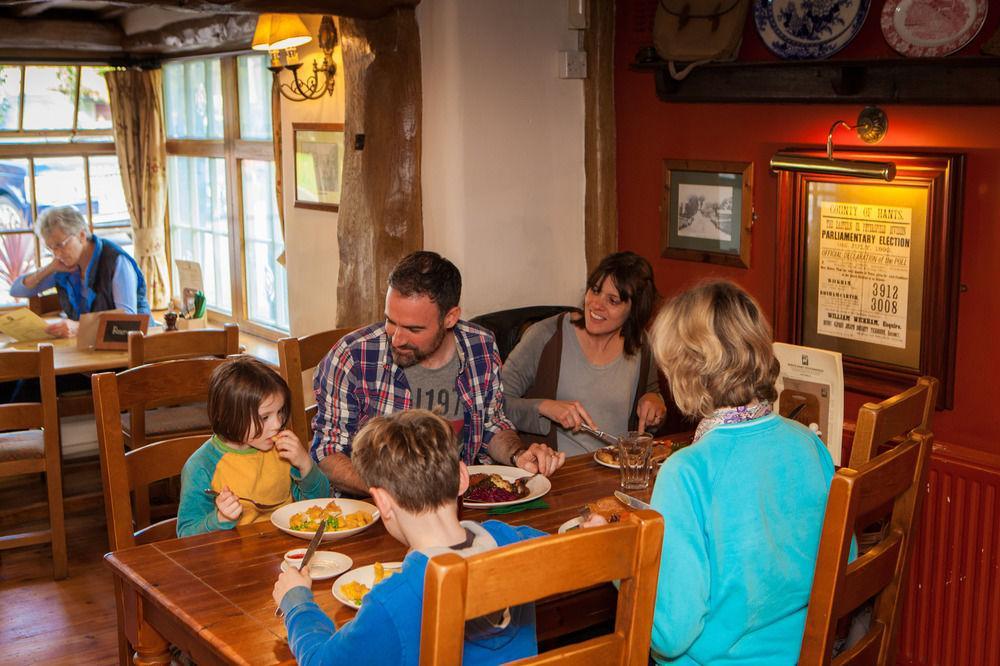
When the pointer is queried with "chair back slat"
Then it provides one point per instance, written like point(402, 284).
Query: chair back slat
point(457, 589)
point(160, 460)
point(298, 355)
point(891, 475)
point(18, 364)
point(21, 416)
point(872, 571)
point(893, 418)
point(173, 345)
point(166, 382)
point(864, 652)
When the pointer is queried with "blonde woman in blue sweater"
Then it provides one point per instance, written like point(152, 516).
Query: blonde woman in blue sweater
point(743, 506)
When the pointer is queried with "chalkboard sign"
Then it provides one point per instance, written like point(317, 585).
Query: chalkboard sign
point(113, 330)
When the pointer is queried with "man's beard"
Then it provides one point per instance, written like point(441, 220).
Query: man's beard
point(407, 356)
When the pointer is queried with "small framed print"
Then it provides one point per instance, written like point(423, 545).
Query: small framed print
point(113, 329)
point(319, 165)
point(706, 211)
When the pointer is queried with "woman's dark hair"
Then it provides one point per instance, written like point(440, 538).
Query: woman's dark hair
point(633, 278)
point(235, 392)
point(428, 274)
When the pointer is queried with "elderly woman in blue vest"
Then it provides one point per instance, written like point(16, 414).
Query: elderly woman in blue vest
point(90, 274)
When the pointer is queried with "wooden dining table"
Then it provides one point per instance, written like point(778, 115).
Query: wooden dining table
point(210, 595)
point(68, 359)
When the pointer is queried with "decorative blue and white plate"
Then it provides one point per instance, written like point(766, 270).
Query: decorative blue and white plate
point(808, 29)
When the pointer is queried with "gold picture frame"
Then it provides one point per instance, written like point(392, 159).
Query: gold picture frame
point(319, 165)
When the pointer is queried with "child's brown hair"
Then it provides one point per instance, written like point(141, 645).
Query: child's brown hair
point(236, 390)
point(413, 455)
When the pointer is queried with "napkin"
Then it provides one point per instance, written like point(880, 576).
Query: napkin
point(514, 508)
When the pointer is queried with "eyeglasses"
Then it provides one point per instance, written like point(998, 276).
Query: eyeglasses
point(61, 244)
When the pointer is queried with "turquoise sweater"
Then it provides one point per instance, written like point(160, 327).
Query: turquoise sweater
point(743, 510)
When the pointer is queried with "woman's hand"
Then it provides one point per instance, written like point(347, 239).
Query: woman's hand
point(567, 413)
point(228, 506)
point(64, 328)
point(650, 411)
point(290, 448)
point(290, 578)
point(540, 459)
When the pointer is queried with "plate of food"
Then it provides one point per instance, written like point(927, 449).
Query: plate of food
point(324, 564)
point(343, 517)
point(351, 588)
point(499, 485)
point(608, 455)
point(607, 507)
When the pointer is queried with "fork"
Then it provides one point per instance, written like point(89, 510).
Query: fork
point(257, 505)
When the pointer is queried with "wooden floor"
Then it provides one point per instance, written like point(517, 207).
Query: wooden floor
point(47, 622)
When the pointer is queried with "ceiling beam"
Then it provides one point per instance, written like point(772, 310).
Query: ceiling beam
point(25, 35)
point(363, 9)
point(211, 34)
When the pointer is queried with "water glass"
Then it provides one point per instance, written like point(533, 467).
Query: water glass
point(634, 452)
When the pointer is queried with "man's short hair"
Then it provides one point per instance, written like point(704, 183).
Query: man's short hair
point(413, 455)
point(428, 274)
point(235, 392)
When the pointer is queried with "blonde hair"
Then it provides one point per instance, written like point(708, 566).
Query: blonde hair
point(413, 455)
point(714, 347)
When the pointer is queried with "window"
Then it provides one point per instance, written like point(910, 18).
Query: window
point(221, 179)
point(56, 149)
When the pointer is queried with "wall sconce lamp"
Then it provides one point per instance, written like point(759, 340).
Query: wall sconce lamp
point(286, 32)
point(871, 127)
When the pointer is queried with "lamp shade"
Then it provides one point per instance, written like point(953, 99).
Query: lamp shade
point(279, 31)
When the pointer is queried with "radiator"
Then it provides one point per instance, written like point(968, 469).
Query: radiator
point(951, 615)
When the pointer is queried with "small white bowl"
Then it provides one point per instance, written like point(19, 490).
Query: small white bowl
point(323, 565)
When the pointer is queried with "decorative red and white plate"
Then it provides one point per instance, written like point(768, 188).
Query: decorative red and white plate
point(931, 28)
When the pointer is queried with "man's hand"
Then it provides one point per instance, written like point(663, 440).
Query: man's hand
point(290, 448)
point(650, 411)
point(290, 578)
point(567, 413)
point(540, 459)
point(228, 506)
point(64, 328)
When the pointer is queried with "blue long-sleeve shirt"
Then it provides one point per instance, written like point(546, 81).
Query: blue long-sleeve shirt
point(743, 510)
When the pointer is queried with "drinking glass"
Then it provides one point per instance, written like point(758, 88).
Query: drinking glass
point(635, 449)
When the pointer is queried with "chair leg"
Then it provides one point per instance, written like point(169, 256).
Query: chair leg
point(53, 482)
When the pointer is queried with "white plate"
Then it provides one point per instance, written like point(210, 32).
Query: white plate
point(537, 486)
point(281, 517)
point(931, 30)
point(325, 564)
point(571, 524)
point(364, 575)
point(601, 462)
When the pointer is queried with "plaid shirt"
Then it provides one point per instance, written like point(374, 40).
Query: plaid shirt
point(358, 379)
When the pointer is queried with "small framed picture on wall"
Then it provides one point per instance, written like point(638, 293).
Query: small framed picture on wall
point(319, 165)
point(706, 211)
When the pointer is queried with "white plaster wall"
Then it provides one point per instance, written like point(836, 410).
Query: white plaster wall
point(503, 179)
point(311, 250)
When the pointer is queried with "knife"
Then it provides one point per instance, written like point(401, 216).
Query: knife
point(630, 501)
point(308, 556)
point(601, 435)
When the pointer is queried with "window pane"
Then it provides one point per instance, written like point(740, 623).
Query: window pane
point(193, 99)
point(59, 182)
point(17, 257)
point(198, 224)
point(107, 198)
point(95, 110)
point(49, 94)
point(122, 236)
point(10, 96)
point(255, 97)
point(267, 283)
point(15, 195)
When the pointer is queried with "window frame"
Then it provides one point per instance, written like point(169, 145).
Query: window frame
point(233, 149)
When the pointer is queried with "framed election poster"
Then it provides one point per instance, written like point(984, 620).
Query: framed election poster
point(872, 269)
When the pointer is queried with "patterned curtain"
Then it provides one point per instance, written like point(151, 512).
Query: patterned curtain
point(137, 112)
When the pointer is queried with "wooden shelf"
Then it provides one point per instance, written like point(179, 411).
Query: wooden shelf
point(937, 81)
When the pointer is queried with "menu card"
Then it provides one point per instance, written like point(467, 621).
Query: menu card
point(23, 325)
point(811, 391)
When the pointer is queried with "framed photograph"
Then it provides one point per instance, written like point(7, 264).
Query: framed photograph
point(870, 269)
point(113, 329)
point(706, 211)
point(319, 165)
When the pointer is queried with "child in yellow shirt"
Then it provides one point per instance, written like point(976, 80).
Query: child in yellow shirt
point(250, 455)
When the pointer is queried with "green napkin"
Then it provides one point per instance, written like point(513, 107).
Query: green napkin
point(514, 508)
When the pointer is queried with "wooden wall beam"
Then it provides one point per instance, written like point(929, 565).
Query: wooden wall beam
point(365, 9)
point(211, 33)
point(60, 36)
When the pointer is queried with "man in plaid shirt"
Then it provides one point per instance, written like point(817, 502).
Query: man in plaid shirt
point(421, 356)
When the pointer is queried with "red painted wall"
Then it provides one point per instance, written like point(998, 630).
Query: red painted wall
point(650, 131)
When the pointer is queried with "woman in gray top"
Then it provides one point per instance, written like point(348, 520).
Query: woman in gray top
point(591, 368)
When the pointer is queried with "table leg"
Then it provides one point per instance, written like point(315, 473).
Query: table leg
point(150, 648)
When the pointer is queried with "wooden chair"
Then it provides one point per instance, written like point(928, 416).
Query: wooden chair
point(457, 589)
point(296, 355)
point(895, 478)
point(126, 473)
point(44, 304)
point(893, 418)
point(29, 443)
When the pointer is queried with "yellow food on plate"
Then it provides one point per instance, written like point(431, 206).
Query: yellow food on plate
point(309, 520)
point(355, 591)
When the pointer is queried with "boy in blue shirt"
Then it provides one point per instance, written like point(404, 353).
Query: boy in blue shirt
point(410, 461)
